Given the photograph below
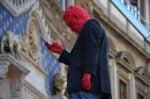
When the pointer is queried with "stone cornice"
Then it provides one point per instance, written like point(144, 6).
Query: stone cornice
point(10, 60)
point(120, 32)
point(142, 79)
point(124, 65)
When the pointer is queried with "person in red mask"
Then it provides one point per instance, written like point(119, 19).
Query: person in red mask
point(88, 76)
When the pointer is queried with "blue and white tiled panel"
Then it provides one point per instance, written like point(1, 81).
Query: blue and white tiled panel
point(10, 23)
point(51, 65)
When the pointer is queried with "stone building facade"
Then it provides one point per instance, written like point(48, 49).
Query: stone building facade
point(128, 32)
point(27, 68)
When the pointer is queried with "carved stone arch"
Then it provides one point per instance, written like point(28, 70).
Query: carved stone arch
point(112, 48)
point(33, 38)
point(127, 58)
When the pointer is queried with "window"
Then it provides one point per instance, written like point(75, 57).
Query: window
point(132, 6)
point(136, 7)
point(65, 3)
point(123, 90)
point(136, 11)
point(140, 96)
point(142, 12)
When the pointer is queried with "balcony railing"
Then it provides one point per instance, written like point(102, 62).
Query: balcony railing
point(132, 13)
point(136, 13)
point(17, 7)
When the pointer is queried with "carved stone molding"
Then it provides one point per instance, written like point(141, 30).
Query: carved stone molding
point(33, 39)
point(17, 7)
point(142, 85)
point(142, 80)
point(12, 74)
point(126, 59)
point(3, 69)
point(59, 83)
point(12, 64)
point(11, 43)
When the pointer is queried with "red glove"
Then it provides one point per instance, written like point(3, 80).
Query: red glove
point(86, 83)
point(54, 47)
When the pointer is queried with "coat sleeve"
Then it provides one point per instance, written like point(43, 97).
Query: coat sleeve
point(93, 36)
point(64, 57)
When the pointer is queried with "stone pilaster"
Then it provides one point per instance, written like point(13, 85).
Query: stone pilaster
point(3, 83)
point(12, 73)
point(113, 77)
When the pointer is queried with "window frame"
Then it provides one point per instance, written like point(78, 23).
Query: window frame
point(134, 10)
point(143, 30)
point(126, 89)
point(66, 3)
point(139, 92)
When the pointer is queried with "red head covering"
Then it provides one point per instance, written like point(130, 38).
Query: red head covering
point(75, 17)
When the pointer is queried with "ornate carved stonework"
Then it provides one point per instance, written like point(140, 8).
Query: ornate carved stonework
point(12, 74)
point(11, 43)
point(17, 7)
point(30, 45)
point(32, 37)
point(142, 85)
point(59, 83)
point(126, 59)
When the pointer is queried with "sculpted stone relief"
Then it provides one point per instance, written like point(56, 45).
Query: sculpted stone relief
point(60, 83)
point(33, 39)
point(14, 44)
point(10, 44)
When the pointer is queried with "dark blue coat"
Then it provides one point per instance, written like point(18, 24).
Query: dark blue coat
point(89, 55)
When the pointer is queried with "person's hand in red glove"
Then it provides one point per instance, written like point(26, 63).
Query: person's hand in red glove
point(86, 83)
point(54, 47)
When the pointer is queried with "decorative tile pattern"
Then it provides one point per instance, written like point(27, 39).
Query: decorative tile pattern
point(19, 25)
point(9, 23)
point(51, 65)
